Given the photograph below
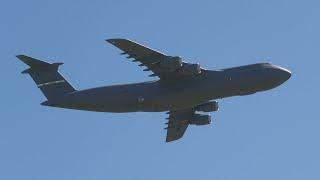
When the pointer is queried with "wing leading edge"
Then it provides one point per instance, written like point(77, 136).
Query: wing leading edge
point(164, 66)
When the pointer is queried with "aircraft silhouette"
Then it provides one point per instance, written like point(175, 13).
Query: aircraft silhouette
point(183, 89)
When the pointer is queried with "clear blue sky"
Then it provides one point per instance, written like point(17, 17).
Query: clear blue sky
point(269, 135)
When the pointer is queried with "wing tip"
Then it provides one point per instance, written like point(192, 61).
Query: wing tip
point(21, 56)
point(111, 41)
point(116, 40)
point(168, 140)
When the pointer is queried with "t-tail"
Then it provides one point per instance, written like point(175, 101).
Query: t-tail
point(47, 77)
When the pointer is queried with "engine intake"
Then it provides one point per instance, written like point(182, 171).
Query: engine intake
point(171, 63)
point(200, 120)
point(208, 107)
point(190, 69)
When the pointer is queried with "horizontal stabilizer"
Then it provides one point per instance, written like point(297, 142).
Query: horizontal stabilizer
point(36, 63)
point(33, 62)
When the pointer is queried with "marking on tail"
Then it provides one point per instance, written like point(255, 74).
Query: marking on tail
point(49, 83)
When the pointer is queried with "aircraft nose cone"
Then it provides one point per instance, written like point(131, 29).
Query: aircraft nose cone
point(282, 74)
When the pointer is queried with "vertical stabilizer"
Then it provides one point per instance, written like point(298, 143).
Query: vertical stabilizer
point(47, 77)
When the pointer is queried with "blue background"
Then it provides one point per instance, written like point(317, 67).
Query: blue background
point(268, 135)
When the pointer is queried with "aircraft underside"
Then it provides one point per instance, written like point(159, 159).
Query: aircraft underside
point(183, 89)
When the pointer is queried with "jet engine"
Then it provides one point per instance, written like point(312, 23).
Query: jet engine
point(199, 120)
point(208, 107)
point(172, 63)
point(190, 69)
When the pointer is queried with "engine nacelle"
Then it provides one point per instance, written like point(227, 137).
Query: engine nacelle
point(190, 69)
point(208, 107)
point(171, 63)
point(199, 120)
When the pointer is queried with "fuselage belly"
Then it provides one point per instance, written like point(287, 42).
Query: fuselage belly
point(156, 96)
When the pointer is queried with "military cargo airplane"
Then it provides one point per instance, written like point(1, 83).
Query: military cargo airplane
point(182, 89)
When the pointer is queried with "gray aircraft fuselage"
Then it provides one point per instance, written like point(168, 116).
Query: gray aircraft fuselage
point(160, 95)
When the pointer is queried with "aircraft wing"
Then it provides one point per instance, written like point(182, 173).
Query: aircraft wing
point(178, 123)
point(162, 65)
